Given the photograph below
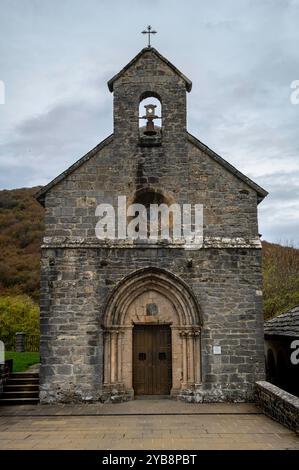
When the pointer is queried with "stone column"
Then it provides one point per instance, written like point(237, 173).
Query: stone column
point(191, 357)
point(185, 359)
point(20, 341)
point(113, 356)
point(119, 357)
point(190, 349)
point(113, 352)
point(197, 357)
point(107, 357)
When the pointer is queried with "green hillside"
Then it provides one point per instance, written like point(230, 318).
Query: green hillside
point(21, 229)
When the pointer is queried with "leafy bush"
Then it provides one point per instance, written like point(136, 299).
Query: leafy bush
point(18, 313)
point(7, 201)
point(280, 278)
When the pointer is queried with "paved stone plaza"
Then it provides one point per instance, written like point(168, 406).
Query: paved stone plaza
point(142, 424)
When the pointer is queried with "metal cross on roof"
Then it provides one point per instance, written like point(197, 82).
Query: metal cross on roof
point(149, 31)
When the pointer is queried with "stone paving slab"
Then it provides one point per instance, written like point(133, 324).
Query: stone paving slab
point(142, 407)
point(217, 427)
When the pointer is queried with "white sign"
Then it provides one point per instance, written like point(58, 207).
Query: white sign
point(216, 349)
point(295, 354)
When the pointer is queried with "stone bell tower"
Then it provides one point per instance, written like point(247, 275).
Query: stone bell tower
point(156, 158)
point(149, 74)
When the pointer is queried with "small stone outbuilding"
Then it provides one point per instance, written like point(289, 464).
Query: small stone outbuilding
point(282, 350)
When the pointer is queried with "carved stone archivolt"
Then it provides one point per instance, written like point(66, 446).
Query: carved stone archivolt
point(176, 307)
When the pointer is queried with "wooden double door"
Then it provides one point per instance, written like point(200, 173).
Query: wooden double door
point(152, 374)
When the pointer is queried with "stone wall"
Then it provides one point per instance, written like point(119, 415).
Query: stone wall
point(75, 287)
point(278, 404)
point(5, 370)
point(229, 205)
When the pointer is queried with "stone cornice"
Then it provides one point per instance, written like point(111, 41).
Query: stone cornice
point(208, 242)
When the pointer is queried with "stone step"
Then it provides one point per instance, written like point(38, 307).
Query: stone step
point(23, 375)
point(21, 394)
point(21, 387)
point(18, 401)
point(22, 381)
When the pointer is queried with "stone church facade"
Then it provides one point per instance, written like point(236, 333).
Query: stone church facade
point(124, 319)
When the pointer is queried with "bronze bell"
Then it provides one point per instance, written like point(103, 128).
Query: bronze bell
point(150, 116)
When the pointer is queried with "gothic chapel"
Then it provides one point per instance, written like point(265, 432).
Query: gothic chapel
point(120, 318)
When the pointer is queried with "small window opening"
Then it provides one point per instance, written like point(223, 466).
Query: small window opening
point(151, 309)
point(154, 218)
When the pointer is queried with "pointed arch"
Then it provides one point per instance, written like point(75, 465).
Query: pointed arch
point(159, 280)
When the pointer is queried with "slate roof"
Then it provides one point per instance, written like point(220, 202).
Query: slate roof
point(286, 324)
point(161, 57)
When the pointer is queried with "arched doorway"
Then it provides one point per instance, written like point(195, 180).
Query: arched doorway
point(152, 335)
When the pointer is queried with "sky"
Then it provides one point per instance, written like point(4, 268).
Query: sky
point(56, 57)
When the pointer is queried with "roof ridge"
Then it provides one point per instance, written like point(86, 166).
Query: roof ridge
point(289, 312)
point(161, 57)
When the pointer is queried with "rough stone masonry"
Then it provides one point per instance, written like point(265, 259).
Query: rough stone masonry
point(95, 293)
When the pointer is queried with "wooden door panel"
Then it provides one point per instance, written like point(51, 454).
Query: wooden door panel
point(152, 360)
point(142, 361)
point(162, 361)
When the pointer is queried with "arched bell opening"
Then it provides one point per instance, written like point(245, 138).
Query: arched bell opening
point(150, 116)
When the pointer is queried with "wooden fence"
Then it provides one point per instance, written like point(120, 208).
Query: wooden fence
point(31, 343)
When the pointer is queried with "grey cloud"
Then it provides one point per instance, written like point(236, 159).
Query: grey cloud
point(47, 144)
point(241, 56)
point(220, 24)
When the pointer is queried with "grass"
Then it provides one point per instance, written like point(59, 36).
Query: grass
point(21, 361)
